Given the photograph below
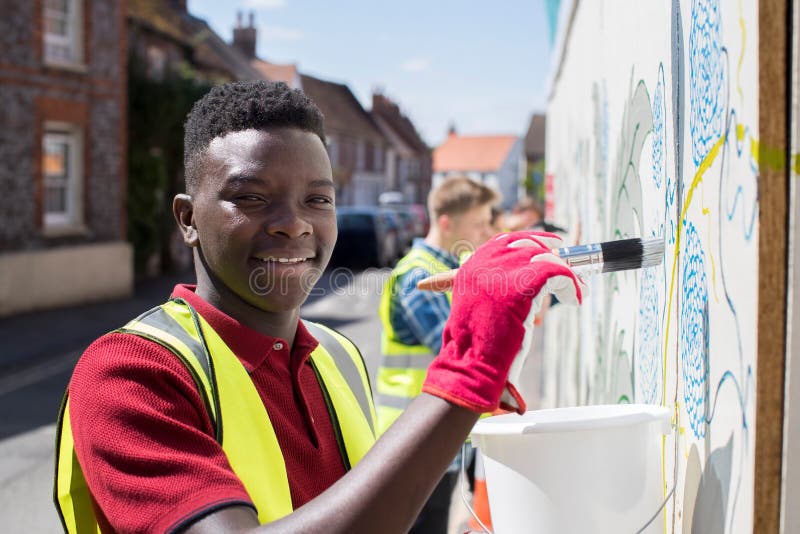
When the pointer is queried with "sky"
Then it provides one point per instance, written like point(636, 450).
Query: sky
point(480, 65)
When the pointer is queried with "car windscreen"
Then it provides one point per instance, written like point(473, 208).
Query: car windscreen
point(355, 221)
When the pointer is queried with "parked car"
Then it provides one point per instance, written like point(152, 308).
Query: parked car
point(405, 223)
point(414, 221)
point(421, 222)
point(368, 236)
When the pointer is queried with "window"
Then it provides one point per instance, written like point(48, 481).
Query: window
point(378, 157)
point(62, 32)
point(156, 62)
point(62, 175)
point(333, 150)
point(361, 150)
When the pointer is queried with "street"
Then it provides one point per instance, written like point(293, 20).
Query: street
point(39, 351)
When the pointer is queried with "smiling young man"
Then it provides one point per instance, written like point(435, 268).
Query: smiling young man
point(222, 411)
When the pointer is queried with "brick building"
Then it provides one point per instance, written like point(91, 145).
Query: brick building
point(166, 36)
point(409, 160)
point(62, 146)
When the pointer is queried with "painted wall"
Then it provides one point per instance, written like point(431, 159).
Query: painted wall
point(652, 131)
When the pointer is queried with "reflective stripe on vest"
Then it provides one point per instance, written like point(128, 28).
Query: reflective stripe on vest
point(242, 425)
point(403, 367)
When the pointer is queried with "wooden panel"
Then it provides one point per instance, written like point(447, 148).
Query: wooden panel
point(773, 195)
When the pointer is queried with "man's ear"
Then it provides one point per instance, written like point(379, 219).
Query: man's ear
point(183, 209)
point(444, 222)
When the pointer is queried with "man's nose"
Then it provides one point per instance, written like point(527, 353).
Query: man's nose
point(290, 223)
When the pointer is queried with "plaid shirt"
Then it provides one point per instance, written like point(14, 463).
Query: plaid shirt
point(418, 317)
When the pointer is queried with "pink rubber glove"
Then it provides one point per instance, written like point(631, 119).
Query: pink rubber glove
point(495, 296)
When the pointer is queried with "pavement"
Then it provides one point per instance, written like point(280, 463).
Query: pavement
point(39, 350)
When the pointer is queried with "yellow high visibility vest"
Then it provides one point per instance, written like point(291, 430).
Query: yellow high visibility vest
point(240, 420)
point(403, 367)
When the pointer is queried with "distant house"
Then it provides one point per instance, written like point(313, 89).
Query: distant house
point(166, 36)
point(356, 145)
point(408, 160)
point(534, 154)
point(62, 147)
point(495, 160)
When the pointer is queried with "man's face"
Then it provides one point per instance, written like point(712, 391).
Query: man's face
point(473, 227)
point(264, 214)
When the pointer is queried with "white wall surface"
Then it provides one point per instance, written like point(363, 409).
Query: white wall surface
point(652, 130)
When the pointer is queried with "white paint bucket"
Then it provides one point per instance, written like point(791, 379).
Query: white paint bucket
point(575, 470)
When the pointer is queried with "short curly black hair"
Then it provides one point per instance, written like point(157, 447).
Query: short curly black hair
point(238, 106)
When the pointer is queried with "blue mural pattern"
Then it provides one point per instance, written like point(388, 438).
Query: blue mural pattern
point(648, 360)
point(658, 131)
point(706, 78)
point(693, 332)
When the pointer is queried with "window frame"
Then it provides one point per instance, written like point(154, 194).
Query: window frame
point(72, 219)
point(73, 41)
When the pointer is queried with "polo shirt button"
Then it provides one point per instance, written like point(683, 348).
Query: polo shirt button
point(278, 346)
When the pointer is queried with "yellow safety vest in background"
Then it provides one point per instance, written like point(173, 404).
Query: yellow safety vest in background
point(240, 420)
point(403, 367)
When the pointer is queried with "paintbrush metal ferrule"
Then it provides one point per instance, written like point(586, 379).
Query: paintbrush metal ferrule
point(583, 258)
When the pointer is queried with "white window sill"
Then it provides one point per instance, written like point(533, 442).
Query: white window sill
point(80, 68)
point(66, 230)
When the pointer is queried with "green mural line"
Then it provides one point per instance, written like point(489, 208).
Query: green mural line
point(773, 158)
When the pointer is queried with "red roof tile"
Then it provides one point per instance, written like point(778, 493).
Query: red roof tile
point(484, 153)
point(277, 73)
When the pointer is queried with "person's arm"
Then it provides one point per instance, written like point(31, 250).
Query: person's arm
point(491, 309)
point(385, 491)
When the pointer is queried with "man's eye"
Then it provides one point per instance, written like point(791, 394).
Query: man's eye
point(248, 198)
point(320, 200)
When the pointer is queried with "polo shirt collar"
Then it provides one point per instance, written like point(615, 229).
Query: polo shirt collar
point(251, 347)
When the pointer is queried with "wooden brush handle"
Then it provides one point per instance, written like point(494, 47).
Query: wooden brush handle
point(439, 282)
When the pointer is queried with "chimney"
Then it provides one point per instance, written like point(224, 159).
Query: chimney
point(378, 100)
point(244, 38)
point(180, 5)
point(451, 130)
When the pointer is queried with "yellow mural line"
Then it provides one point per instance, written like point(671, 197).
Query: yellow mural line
point(741, 54)
point(698, 178)
point(709, 229)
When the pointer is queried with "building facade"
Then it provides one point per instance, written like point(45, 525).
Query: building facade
point(409, 160)
point(62, 144)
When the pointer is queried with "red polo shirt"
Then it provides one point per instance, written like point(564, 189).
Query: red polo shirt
point(145, 441)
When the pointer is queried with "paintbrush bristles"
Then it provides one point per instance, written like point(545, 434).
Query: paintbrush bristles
point(633, 253)
point(652, 251)
point(622, 255)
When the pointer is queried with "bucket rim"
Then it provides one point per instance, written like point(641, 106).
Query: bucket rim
point(574, 419)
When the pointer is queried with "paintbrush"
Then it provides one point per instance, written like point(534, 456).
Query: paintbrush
point(608, 257)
